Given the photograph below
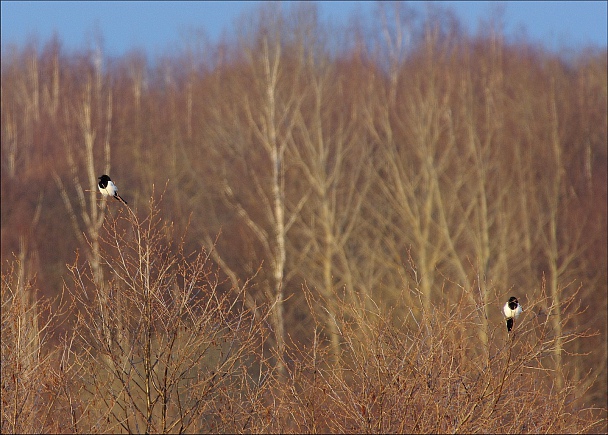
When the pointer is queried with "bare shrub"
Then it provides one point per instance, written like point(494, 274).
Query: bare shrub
point(160, 347)
point(425, 374)
point(28, 387)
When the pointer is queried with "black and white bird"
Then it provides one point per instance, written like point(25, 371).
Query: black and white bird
point(511, 310)
point(108, 188)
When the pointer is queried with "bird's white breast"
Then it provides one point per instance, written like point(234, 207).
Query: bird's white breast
point(110, 189)
point(509, 313)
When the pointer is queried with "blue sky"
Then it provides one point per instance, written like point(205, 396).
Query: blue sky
point(158, 27)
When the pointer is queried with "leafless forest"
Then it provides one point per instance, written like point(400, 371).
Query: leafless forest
point(323, 226)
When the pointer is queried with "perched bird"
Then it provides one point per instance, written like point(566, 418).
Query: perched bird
point(512, 310)
point(108, 188)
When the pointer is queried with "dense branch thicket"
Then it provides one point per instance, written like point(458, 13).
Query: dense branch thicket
point(338, 232)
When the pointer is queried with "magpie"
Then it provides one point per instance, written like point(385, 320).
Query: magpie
point(512, 310)
point(108, 188)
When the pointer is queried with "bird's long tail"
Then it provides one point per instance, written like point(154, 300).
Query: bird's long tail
point(117, 196)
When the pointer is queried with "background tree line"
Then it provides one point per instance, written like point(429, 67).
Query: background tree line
point(352, 186)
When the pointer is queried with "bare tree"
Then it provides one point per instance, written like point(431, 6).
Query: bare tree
point(82, 203)
point(329, 150)
point(418, 174)
point(263, 116)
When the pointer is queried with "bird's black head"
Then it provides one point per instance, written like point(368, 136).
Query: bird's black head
point(513, 302)
point(104, 177)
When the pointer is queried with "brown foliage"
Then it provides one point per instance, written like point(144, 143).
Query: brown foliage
point(414, 156)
